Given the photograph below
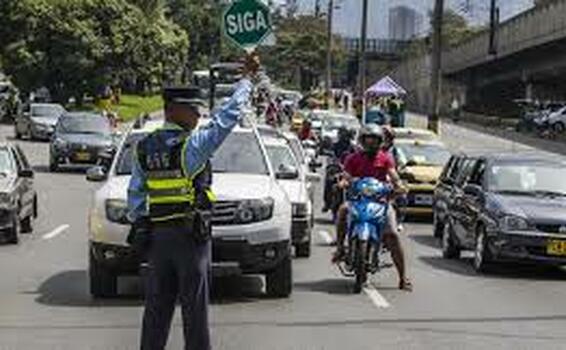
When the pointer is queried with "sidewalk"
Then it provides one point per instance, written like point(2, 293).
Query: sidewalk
point(510, 134)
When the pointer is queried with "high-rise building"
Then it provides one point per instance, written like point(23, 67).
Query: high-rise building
point(404, 23)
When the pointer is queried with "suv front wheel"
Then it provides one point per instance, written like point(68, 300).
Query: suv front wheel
point(103, 283)
point(279, 281)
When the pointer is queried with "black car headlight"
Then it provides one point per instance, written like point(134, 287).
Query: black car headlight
point(300, 209)
point(116, 211)
point(513, 223)
point(254, 210)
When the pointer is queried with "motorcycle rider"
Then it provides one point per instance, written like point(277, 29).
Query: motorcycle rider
point(341, 149)
point(306, 132)
point(373, 161)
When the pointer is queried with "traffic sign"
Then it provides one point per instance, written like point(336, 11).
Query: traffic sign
point(247, 23)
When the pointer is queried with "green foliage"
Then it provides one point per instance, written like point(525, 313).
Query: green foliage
point(132, 106)
point(74, 46)
point(300, 50)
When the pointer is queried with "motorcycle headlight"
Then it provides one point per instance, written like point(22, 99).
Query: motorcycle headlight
point(255, 210)
point(116, 211)
point(300, 209)
point(513, 223)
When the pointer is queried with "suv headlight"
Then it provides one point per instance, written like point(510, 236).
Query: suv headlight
point(6, 200)
point(116, 211)
point(255, 210)
point(300, 209)
point(513, 223)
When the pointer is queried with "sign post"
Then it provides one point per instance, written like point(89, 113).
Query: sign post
point(247, 23)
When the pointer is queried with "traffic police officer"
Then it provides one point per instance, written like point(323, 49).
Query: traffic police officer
point(169, 203)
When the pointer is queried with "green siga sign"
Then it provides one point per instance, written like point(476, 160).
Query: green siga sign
point(247, 23)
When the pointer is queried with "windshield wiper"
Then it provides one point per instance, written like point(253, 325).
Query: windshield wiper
point(516, 192)
point(550, 193)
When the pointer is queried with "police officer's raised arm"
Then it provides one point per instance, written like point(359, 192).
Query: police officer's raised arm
point(205, 141)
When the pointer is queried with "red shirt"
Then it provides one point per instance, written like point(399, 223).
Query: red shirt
point(384, 162)
point(358, 164)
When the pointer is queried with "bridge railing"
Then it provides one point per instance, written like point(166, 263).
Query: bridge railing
point(380, 46)
point(530, 29)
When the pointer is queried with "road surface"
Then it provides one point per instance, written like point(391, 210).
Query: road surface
point(44, 302)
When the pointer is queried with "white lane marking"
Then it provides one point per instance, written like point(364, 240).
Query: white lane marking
point(376, 298)
point(326, 237)
point(56, 232)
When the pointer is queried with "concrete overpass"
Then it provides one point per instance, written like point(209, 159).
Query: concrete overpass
point(530, 63)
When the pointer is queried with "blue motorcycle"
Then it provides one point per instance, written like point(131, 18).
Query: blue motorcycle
point(368, 199)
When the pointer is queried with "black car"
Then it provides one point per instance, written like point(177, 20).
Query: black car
point(38, 120)
point(505, 208)
point(83, 139)
point(18, 199)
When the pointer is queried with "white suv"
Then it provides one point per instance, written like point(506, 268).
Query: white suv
point(251, 219)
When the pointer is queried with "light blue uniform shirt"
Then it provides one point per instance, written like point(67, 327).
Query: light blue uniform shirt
point(201, 145)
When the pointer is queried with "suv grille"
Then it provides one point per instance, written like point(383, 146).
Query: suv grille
point(224, 213)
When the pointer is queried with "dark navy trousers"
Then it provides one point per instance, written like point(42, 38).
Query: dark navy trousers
point(178, 269)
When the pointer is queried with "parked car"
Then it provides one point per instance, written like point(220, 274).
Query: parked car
point(38, 120)
point(420, 164)
point(251, 222)
point(509, 207)
point(81, 139)
point(556, 120)
point(292, 178)
point(18, 199)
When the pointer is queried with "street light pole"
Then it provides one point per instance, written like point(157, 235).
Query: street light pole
point(362, 63)
point(435, 81)
point(329, 54)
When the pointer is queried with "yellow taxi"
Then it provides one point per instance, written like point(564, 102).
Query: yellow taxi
point(297, 121)
point(420, 164)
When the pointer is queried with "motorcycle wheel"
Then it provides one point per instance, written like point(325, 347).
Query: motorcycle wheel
point(360, 265)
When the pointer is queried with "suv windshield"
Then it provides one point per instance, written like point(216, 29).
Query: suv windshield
point(240, 153)
point(424, 155)
point(528, 178)
point(84, 124)
point(47, 110)
point(6, 162)
point(281, 158)
point(296, 148)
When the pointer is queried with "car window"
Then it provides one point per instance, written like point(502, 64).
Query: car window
point(476, 178)
point(125, 157)
point(297, 149)
point(47, 110)
point(281, 158)
point(422, 154)
point(84, 124)
point(527, 178)
point(7, 164)
point(240, 153)
point(466, 169)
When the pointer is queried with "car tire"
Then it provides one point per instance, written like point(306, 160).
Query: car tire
point(103, 283)
point(27, 224)
point(303, 250)
point(438, 228)
point(482, 258)
point(559, 127)
point(449, 248)
point(53, 165)
point(279, 282)
point(14, 232)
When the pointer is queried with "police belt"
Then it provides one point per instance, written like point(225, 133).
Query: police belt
point(186, 221)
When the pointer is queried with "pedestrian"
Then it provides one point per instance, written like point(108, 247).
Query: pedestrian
point(455, 109)
point(169, 205)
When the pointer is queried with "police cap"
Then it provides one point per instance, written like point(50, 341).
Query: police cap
point(190, 96)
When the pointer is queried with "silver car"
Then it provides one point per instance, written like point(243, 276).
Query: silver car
point(38, 121)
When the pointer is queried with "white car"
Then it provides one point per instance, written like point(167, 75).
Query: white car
point(293, 179)
point(556, 120)
point(251, 219)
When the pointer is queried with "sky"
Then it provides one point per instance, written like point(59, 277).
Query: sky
point(348, 18)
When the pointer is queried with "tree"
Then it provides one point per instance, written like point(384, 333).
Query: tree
point(72, 47)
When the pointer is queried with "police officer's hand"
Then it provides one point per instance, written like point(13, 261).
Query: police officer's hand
point(251, 64)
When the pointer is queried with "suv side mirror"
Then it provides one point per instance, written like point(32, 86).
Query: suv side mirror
point(26, 173)
point(473, 190)
point(96, 174)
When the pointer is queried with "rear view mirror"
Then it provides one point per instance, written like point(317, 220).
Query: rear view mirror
point(286, 173)
point(26, 173)
point(96, 174)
